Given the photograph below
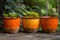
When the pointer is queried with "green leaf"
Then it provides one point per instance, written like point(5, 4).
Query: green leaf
point(31, 14)
point(49, 6)
point(5, 15)
point(43, 11)
point(13, 14)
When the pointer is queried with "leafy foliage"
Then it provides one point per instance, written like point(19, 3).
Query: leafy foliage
point(31, 15)
point(49, 12)
point(11, 15)
point(41, 3)
point(13, 8)
point(44, 7)
point(31, 5)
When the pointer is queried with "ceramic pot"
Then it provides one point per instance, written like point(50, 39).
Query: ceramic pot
point(49, 24)
point(11, 25)
point(30, 25)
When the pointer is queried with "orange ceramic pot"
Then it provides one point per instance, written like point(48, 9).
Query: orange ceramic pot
point(11, 25)
point(49, 24)
point(30, 25)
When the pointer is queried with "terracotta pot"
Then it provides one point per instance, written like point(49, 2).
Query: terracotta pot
point(11, 25)
point(30, 25)
point(49, 24)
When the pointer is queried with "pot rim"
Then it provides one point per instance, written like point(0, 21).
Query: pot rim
point(31, 18)
point(10, 17)
point(48, 17)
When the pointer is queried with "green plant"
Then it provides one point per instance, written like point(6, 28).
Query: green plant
point(41, 3)
point(11, 8)
point(31, 14)
point(16, 6)
point(44, 8)
point(51, 12)
point(11, 15)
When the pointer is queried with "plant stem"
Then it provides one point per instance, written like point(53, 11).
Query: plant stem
point(58, 5)
point(47, 1)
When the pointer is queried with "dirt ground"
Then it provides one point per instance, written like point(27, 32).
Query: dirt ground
point(30, 36)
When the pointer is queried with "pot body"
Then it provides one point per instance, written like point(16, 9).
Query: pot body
point(49, 24)
point(30, 25)
point(11, 25)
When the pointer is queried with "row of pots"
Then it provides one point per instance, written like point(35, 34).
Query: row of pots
point(31, 25)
